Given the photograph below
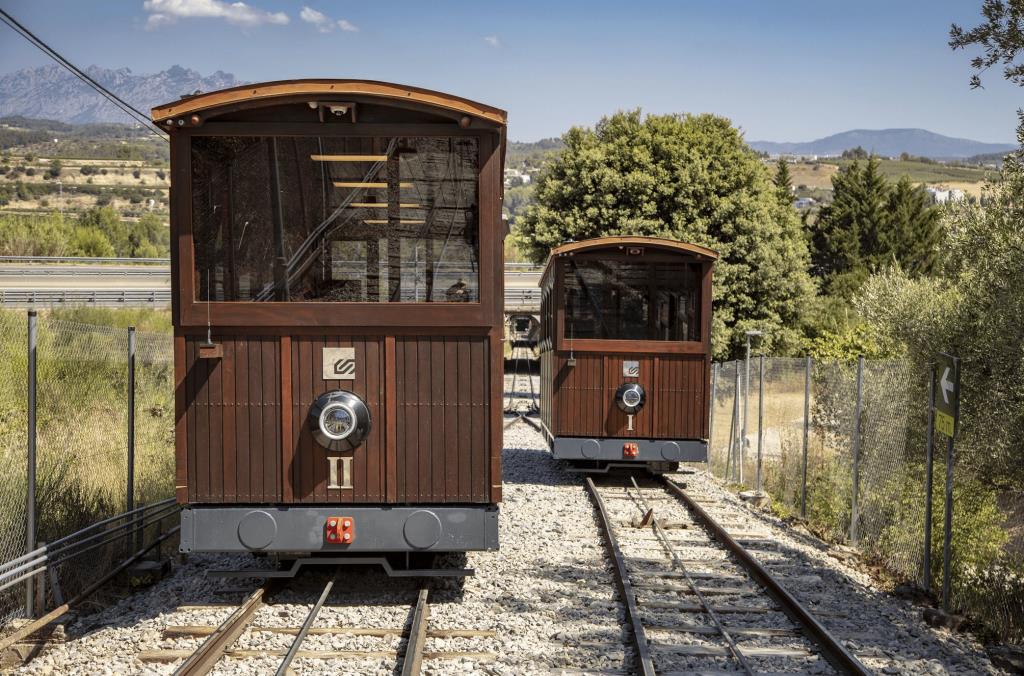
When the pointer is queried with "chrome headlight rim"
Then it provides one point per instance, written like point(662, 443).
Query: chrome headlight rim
point(630, 397)
point(334, 406)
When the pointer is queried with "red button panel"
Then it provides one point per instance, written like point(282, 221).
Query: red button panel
point(340, 530)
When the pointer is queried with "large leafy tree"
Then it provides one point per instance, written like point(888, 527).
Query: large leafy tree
point(869, 225)
point(689, 178)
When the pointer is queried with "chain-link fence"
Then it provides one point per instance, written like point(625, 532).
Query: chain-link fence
point(844, 446)
point(81, 437)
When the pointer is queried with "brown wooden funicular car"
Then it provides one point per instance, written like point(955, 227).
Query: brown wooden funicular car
point(337, 276)
point(625, 352)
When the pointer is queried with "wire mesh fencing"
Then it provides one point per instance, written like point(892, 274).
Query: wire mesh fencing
point(844, 445)
point(13, 449)
point(81, 437)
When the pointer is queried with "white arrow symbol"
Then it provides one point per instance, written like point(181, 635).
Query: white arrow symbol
point(945, 385)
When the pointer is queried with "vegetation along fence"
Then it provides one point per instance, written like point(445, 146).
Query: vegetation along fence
point(86, 428)
point(848, 454)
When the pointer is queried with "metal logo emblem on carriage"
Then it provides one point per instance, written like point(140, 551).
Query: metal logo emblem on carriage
point(631, 369)
point(339, 363)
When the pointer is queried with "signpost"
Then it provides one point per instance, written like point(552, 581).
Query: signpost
point(947, 404)
point(946, 396)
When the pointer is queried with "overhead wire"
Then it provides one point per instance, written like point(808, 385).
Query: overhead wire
point(125, 107)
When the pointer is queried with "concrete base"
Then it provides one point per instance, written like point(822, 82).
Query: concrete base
point(303, 530)
point(939, 618)
point(146, 573)
point(648, 450)
point(755, 498)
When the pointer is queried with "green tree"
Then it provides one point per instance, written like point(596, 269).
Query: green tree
point(1001, 38)
point(845, 240)
point(689, 178)
point(914, 230)
point(90, 241)
point(108, 222)
point(783, 181)
point(55, 169)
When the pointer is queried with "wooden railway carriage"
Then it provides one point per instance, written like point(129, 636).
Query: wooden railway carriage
point(625, 352)
point(337, 272)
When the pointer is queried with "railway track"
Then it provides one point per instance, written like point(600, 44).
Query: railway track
point(521, 395)
point(696, 599)
point(252, 632)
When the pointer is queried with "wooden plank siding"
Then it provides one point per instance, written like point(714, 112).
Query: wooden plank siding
point(579, 401)
point(231, 421)
point(239, 445)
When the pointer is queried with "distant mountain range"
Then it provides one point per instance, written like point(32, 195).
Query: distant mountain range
point(53, 93)
point(887, 143)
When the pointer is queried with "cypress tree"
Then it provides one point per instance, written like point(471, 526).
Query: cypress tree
point(914, 232)
point(783, 181)
point(869, 225)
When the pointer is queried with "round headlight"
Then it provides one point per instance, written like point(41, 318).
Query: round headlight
point(630, 397)
point(339, 420)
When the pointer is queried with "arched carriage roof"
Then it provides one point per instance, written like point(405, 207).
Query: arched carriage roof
point(599, 243)
point(618, 243)
point(270, 93)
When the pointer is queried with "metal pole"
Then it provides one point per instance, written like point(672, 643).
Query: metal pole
point(30, 493)
point(807, 429)
point(746, 408)
point(926, 578)
point(737, 443)
point(711, 412)
point(854, 515)
point(760, 421)
point(947, 540)
point(130, 493)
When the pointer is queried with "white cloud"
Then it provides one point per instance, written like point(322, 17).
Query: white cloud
point(162, 12)
point(492, 40)
point(324, 23)
point(318, 19)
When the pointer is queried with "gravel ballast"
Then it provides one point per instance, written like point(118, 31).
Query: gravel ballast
point(548, 597)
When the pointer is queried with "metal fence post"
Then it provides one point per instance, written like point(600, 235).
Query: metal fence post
point(854, 515)
point(737, 442)
point(746, 410)
point(807, 429)
point(711, 412)
point(926, 564)
point(760, 421)
point(30, 493)
point(947, 540)
point(130, 489)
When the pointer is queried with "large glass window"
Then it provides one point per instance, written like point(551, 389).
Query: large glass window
point(347, 219)
point(620, 300)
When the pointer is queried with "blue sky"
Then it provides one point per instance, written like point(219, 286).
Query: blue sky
point(786, 70)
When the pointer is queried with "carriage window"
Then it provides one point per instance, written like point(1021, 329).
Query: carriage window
point(619, 300)
point(341, 219)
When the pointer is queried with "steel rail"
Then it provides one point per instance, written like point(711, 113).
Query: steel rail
point(293, 649)
point(831, 649)
point(645, 665)
point(212, 649)
point(60, 611)
point(719, 625)
point(412, 660)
